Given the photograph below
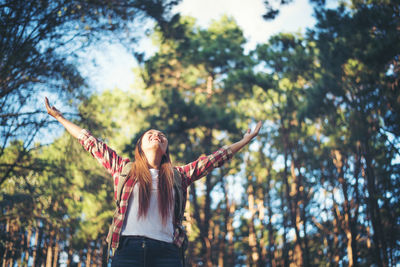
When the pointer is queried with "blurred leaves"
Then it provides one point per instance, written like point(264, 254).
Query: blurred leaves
point(319, 186)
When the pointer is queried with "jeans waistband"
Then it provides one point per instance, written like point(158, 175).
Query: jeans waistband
point(141, 237)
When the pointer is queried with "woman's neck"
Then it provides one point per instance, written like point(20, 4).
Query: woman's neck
point(153, 159)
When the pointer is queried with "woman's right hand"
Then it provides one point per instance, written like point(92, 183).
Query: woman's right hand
point(52, 111)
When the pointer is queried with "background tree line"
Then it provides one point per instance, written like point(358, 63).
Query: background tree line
point(319, 187)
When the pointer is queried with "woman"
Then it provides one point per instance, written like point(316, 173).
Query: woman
point(146, 228)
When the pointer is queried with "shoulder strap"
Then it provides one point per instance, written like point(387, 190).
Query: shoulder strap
point(122, 179)
point(179, 209)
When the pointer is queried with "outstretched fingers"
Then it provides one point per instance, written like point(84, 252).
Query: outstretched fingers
point(51, 110)
point(258, 127)
point(46, 102)
point(251, 134)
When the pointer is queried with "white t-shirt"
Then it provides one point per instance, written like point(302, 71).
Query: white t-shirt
point(151, 225)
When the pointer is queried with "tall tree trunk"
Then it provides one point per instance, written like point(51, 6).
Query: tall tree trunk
point(254, 256)
point(198, 214)
point(284, 200)
point(22, 242)
point(49, 256)
point(262, 248)
point(231, 252)
point(5, 256)
point(104, 252)
point(203, 214)
point(302, 202)
point(373, 208)
point(207, 221)
point(189, 221)
point(27, 246)
point(292, 196)
point(69, 251)
point(56, 251)
point(80, 258)
point(293, 201)
point(35, 251)
point(210, 85)
point(223, 252)
point(261, 192)
point(271, 239)
point(337, 218)
point(220, 237)
point(97, 260)
point(88, 256)
point(339, 161)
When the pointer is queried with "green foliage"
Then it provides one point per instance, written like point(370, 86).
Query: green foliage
point(318, 187)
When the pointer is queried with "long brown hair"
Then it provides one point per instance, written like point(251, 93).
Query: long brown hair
point(140, 170)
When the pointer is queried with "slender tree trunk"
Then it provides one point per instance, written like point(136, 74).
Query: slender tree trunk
point(207, 221)
point(354, 205)
point(261, 192)
point(80, 258)
point(104, 252)
point(284, 199)
point(210, 82)
point(262, 251)
point(96, 253)
point(189, 230)
point(40, 253)
point(203, 215)
point(22, 243)
point(336, 231)
point(293, 199)
point(35, 251)
point(56, 252)
point(209, 241)
point(221, 241)
point(49, 256)
point(88, 256)
point(348, 220)
point(27, 246)
point(252, 232)
point(231, 251)
point(300, 200)
point(302, 203)
point(223, 252)
point(70, 251)
point(97, 259)
point(198, 218)
point(5, 256)
point(378, 235)
point(271, 240)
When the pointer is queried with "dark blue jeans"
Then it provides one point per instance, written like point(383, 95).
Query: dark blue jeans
point(146, 252)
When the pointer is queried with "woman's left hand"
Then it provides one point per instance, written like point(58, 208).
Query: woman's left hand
point(249, 135)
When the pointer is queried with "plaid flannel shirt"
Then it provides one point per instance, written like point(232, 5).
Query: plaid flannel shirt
point(114, 165)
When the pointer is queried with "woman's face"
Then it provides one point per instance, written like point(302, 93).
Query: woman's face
point(154, 140)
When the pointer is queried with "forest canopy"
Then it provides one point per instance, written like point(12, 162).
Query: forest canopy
point(319, 186)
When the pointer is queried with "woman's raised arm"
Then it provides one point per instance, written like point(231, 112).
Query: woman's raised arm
point(203, 165)
point(248, 136)
point(71, 127)
point(98, 149)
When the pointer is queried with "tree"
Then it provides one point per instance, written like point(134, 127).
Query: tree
point(39, 44)
point(185, 76)
point(359, 48)
point(65, 204)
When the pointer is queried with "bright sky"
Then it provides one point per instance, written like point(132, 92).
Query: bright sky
point(114, 64)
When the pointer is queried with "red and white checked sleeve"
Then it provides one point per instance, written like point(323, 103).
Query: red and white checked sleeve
point(205, 164)
point(103, 153)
